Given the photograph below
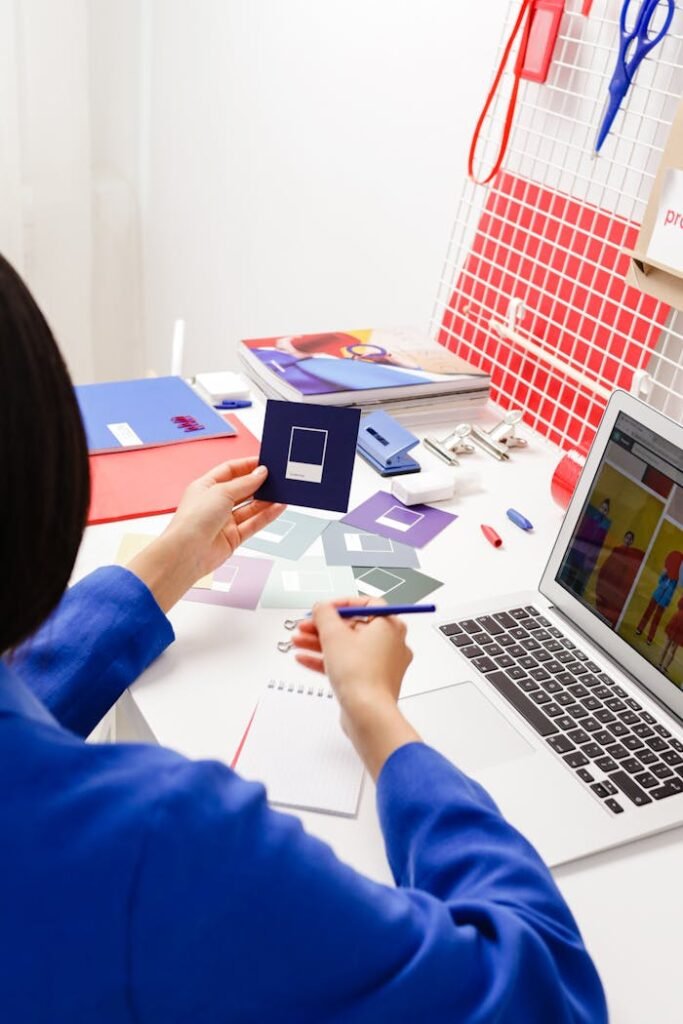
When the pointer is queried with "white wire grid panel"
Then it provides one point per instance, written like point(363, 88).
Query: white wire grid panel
point(539, 253)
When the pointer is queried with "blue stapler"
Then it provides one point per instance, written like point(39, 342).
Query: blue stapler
point(385, 444)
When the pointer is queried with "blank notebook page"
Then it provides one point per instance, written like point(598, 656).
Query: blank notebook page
point(296, 747)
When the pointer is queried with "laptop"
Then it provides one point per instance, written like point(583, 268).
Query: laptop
point(571, 707)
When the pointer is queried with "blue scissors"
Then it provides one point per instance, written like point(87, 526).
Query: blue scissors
point(635, 45)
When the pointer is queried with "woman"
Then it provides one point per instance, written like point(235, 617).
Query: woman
point(662, 595)
point(674, 638)
point(615, 578)
point(586, 546)
point(138, 886)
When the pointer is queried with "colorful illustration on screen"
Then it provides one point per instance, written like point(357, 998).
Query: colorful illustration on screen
point(625, 559)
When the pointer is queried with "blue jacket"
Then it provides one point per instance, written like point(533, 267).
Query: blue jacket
point(137, 886)
point(665, 590)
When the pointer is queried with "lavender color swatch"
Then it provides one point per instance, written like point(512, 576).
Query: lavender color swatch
point(238, 583)
point(386, 515)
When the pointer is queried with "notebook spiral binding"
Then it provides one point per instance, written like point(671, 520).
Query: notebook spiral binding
point(308, 691)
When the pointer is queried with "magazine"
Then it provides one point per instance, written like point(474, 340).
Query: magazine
point(363, 367)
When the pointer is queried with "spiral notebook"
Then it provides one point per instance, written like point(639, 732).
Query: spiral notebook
point(295, 745)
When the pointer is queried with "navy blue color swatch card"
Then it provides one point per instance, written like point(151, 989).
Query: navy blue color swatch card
point(309, 451)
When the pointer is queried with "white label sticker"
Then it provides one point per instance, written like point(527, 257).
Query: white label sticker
point(666, 243)
point(124, 434)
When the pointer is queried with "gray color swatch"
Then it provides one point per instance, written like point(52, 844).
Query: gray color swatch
point(395, 585)
point(310, 580)
point(290, 536)
point(350, 545)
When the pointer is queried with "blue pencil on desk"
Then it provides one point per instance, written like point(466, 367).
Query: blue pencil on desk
point(384, 609)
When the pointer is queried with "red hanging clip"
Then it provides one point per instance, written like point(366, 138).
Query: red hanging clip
point(545, 26)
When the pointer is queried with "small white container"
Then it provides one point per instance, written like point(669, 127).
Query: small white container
point(419, 488)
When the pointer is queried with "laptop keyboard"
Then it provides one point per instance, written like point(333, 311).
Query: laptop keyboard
point(605, 737)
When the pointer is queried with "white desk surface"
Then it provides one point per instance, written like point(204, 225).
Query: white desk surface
point(198, 697)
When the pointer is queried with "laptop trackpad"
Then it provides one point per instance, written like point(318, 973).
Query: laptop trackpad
point(463, 725)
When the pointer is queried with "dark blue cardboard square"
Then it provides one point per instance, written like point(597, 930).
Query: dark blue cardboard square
point(309, 451)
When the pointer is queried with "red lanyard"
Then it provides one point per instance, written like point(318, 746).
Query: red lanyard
point(526, 11)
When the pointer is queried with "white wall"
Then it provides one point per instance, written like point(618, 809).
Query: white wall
point(69, 168)
point(45, 201)
point(302, 160)
point(254, 166)
point(115, 35)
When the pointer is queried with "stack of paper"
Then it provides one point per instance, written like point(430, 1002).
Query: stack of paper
point(398, 370)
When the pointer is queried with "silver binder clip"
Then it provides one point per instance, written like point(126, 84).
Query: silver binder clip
point(504, 433)
point(483, 440)
point(284, 646)
point(453, 445)
point(293, 623)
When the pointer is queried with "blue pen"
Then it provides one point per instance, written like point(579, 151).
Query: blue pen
point(384, 609)
point(519, 520)
point(242, 403)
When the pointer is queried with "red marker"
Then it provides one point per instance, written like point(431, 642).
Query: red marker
point(491, 535)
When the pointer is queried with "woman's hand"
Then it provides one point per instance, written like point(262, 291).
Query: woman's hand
point(365, 663)
point(205, 530)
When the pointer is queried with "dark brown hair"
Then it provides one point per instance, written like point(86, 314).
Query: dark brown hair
point(44, 480)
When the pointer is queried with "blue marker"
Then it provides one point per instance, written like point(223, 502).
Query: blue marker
point(368, 610)
point(242, 403)
point(519, 520)
point(384, 609)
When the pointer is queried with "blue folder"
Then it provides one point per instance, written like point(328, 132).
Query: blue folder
point(128, 414)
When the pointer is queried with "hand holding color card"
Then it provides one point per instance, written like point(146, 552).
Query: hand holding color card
point(309, 451)
point(386, 515)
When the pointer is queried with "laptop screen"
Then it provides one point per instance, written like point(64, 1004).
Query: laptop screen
point(624, 561)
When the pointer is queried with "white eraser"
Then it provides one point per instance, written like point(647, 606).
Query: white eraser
point(223, 386)
point(416, 488)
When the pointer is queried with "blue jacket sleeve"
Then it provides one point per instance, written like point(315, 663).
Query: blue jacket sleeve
point(103, 634)
point(238, 914)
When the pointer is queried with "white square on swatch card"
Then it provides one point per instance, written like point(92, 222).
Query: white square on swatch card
point(378, 582)
point(306, 455)
point(293, 580)
point(399, 518)
point(277, 531)
point(229, 574)
point(367, 542)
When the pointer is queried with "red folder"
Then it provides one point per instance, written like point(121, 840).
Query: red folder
point(151, 481)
